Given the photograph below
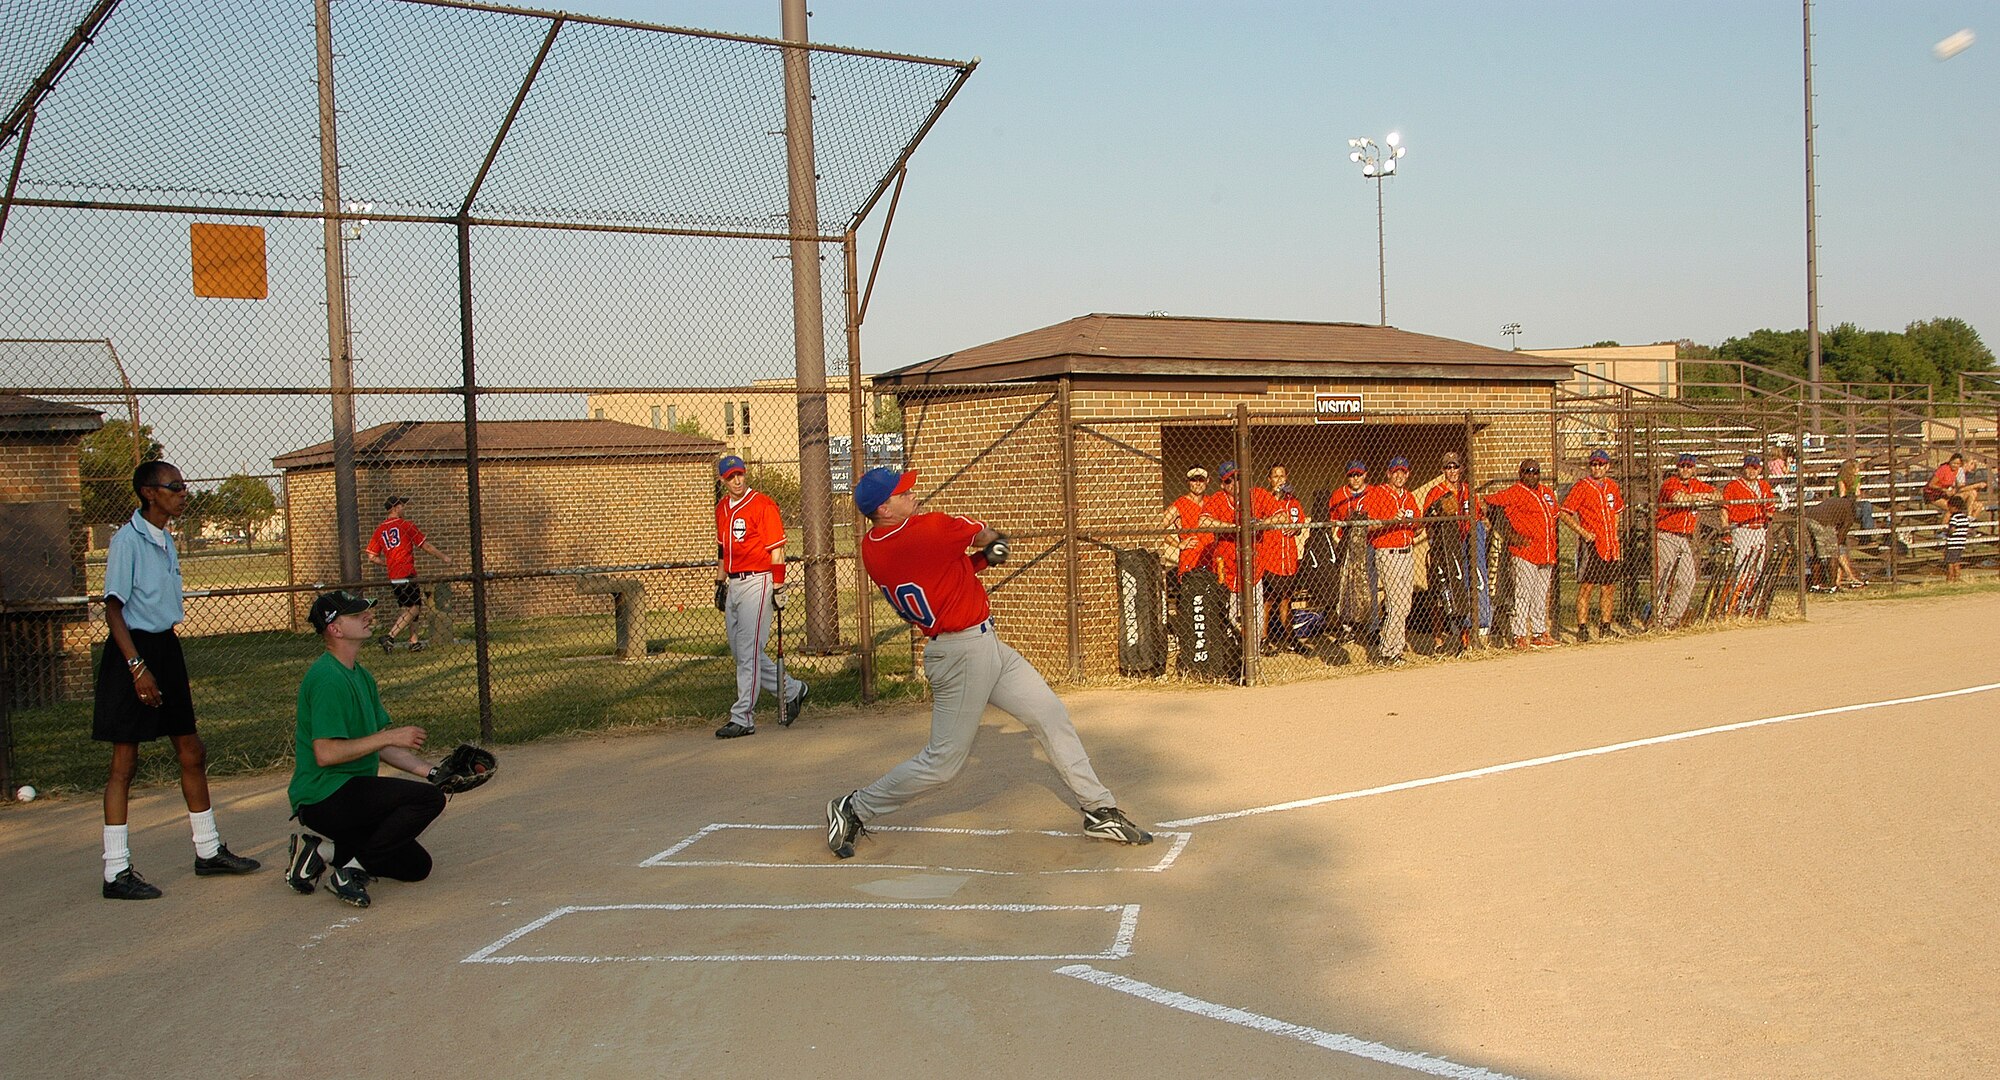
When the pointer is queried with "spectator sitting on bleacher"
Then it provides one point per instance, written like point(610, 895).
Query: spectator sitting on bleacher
point(1951, 479)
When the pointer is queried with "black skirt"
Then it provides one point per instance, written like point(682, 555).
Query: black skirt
point(120, 717)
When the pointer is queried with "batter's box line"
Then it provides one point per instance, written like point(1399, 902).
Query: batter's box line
point(666, 858)
point(1120, 948)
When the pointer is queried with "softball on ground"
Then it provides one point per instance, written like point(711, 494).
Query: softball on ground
point(24, 793)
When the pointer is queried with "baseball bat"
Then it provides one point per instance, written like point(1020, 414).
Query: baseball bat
point(779, 629)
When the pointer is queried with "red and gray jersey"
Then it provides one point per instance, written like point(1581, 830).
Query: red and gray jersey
point(397, 541)
point(923, 571)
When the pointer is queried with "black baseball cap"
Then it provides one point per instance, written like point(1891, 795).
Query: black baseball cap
point(329, 606)
point(394, 501)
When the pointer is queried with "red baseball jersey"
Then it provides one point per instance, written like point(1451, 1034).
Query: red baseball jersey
point(1277, 552)
point(1345, 504)
point(1222, 507)
point(1532, 513)
point(397, 540)
point(1386, 502)
point(1596, 503)
point(1679, 519)
point(1189, 509)
point(748, 530)
point(1748, 502)
point(923, 571)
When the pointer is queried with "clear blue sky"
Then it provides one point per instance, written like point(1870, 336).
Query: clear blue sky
point(1589, 169)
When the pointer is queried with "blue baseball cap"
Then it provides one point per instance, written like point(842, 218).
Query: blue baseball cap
point(1227, 470)
point(1402, 463)
point(877, 485)
point(1752, 460)
point(1599, 457)
point(1687, 459)
point(728, 465)
point(1356, 468)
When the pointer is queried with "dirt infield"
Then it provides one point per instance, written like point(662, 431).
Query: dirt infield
point(1808, 897)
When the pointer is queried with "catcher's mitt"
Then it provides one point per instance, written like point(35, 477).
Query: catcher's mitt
point(721, 595)
point(996, 552)
point(463, 769)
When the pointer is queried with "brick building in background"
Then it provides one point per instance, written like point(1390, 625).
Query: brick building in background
point(1149, 397)
point(42, 544)
point(557, 495)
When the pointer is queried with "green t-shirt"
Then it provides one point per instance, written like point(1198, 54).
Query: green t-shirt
point(335, 702)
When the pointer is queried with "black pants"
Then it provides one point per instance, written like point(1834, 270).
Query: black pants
point(377, 820)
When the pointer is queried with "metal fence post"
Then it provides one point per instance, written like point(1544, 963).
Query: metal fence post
point(857, 426)
point(1251, 623)
point(1895, 535)
point(1072, 571)
point(475, 526)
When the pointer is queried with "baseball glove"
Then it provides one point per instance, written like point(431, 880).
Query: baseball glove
point(464, 769)
point(721, 595)
point(996, 552)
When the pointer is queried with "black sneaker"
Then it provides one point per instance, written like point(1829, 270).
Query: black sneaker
point(224, 862)
point(843, 825)
point(386, 642)
point(1111, 823)
point(350, 884)
point(733, 730)
point(1583, 632)
point(306, 865)
point(128, 885)
point(415, 646)
point(794, 707)
point(1606, 631)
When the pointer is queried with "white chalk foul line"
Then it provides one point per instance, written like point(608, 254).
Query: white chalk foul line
point(1120, 948)
point(1346, 1044)
point(1169, 852)
point(1493, 770)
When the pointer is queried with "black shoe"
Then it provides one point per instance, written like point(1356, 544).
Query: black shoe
point(1583, 632)
point(1111, 824)
point(350, 884)
point(128, 885)
point(794, 707)
point(224, 862)
point(386, 642)
point(306, 864)
point(843, 825)
point(1606, 631)
point(1299, 647)
point(733, 730)
point(414, 646)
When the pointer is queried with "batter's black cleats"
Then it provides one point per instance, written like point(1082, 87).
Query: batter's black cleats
point(1111, 823)
point(306, 864)
point(224, 861)
point(843, 825)
point(733, 730)
point(794, 707)
point(128, 885)
point(350, 884)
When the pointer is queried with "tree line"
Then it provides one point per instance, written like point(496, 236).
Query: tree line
point(1931, 352)
point(105, 463)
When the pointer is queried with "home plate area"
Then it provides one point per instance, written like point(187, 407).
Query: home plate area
point(935, 863)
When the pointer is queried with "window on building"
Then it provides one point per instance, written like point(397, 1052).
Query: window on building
point(746, 418)
point(671, 421)
point(729, 418)
point(656, 416)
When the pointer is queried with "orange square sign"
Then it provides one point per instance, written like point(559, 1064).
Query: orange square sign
point(228, 261)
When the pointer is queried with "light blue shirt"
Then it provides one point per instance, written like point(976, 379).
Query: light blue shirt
point(144, 572)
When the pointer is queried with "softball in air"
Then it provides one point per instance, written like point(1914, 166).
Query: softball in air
point(1953, 45)
point(25, 793)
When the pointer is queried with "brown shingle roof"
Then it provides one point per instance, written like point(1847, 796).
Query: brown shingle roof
point(1144, 345)
point(20, 415)
point(444, 440)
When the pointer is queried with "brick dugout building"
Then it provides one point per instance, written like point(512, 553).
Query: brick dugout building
point(557, 494)
point(42, 544)
point(1142, 398)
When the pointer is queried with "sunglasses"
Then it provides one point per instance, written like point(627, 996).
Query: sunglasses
point(176, 487)
point(1531, 472)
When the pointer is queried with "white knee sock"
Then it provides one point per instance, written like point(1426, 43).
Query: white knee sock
point(206, 840)
point(117, 852)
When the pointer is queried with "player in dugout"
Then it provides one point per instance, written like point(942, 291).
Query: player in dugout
point(921, 562)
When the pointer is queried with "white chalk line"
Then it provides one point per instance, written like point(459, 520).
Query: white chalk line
point(1346, 1044)
point(1493, 770)
point(1120, 948)
point(1169, 854)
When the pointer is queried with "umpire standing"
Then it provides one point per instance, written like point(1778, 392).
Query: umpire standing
point(749, 565)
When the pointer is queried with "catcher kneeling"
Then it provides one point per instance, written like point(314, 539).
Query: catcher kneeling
point(370, 823)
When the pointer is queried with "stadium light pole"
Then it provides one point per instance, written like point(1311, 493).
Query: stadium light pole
point(1378, 163)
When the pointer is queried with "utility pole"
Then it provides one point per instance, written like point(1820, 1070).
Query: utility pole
point(808, 336)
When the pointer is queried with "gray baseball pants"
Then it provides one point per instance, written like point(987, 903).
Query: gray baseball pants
point(968, 670)
point(1674, 553)
point(747, 620)
point(1398, 571)
point(1530, 617)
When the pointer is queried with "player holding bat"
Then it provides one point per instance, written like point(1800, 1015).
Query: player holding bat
point(920, 562)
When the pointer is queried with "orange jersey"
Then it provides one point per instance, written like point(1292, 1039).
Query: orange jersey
point(1386, 502)
point(1188, 509)
point(1531, 512)
point(1277, 551)
point(1468, 503)
point(748, 530)
point(1679, 519)
point(1747, 503)
point(1222, 507)
point(1597, 503)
